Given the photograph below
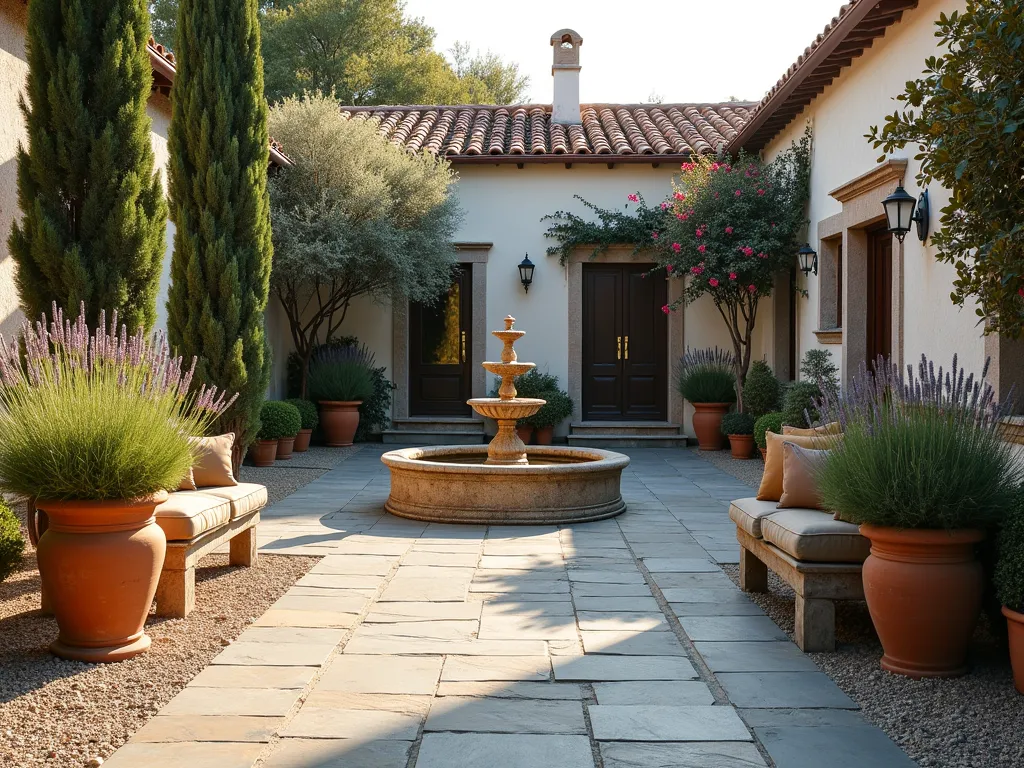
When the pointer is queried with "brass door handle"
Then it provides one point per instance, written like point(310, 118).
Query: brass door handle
point(618, 347)
point(627, 347)
point(463, 346)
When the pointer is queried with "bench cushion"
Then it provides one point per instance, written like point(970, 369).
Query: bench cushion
point(749, 513)
point(187, 514)
point(814, 537)
point(244, 497)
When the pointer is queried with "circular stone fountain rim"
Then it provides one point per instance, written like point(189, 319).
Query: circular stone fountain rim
point(592, 460)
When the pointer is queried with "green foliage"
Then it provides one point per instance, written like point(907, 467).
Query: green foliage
point(966, 116)
point(278, 419)
point(817, 366)
point(799, 402)
point(707, 376)
point(308, 413)
point(770, 422)
point(762, 392)
point(1009, 570)
point(94, 215)
point(532, 383)
point(556, 410)
point(341, 374)
point(164, 18)
point(613, 227)
point(12, 545)
point(375, 412)
point(737, 424)
point(356, 216)
point(487, 78)
point(219, 151)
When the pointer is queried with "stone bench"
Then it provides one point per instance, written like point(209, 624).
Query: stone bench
point(819, 557)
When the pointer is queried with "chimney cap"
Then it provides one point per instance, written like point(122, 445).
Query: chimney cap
point(566, 43)
point(567, 36)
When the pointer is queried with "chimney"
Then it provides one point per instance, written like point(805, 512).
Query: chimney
point(565, 106)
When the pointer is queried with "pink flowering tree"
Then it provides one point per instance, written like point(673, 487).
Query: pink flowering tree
point(732, 226)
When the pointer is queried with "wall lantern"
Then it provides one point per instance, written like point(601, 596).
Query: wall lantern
point(526, 268)
point(899, 210)
point(808, 259)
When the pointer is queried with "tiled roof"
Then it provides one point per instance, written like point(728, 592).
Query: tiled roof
point(618, 133)
point(856, 27)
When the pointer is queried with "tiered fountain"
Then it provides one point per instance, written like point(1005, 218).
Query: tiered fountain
point(510, 483)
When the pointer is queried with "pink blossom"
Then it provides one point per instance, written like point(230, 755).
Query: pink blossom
point(760, 192)
point(679, 196)
point(633, 198)
point(1020, 291)
point(698, 269)
point(700, 232)
point(713, 282)
point(669, 268)
point(702, 248)
point(677, 247)
point(716, 195)
point(715, 166)
point(762, 255)
point(732, 275)
point(666, 309)
point(654, 235)
point(739, 192)
point(747, 250)
point(728, 230)
point(752, 288)
point(728, 168)
point(664, 206)
point(682, 216)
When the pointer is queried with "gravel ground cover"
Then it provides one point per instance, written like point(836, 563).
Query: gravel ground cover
point(286, 477)
point(969, 722)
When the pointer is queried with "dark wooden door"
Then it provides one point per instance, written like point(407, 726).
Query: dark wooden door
point(879, 274)
point(625, 343)
point(439, 344)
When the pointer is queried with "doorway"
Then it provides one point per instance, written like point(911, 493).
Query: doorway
point(879, 290)
point(440, 339)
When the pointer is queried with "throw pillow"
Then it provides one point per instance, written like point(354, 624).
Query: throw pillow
point(799, 481)
point(825, 429)
point(771, 481)
point(213, 463)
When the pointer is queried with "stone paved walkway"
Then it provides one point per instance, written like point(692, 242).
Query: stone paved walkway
point(618, 644)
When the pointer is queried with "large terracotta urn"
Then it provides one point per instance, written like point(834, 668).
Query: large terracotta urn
point(1015, 627)
point(525, 433)
point(302, 440)
point(923, 589)
point(100, 562)
point(707, 424)
point(741, 446)
point(339, 420)
point(545, 435)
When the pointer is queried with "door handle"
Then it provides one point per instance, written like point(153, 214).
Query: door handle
point(627, 347)
point(618, 347)
point(463, 346)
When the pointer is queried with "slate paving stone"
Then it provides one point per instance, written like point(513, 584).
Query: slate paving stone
point(658, 565)
point(718, 595)
point(485, 715)
point(609, 668)
point(417, 557)
point(499, 750)
point(175, 728)
point(632, 643)
point(674, 693)
point(781, 656)
point(612, 621)
point(514, 690)
point(406, 704)
point(325, 603)
point(406, 589)
point(436, 630)
point(253, 677)
point(605, 577)
point(393, 646)
point(339, 581)
point(257, 702)
point(382, 674)
point(783, 690)
point(612, 604)
point(584, 589)
point(275, 654)
point(666, 723)
point(846, 747)
point(500, 668)
point(291, 635)
point(362, 724)
point(186, 755)
point(693, 755)
point(510, 608)
point(387, 613)
point(339, 753)
point(354, 565)
point(280, 617)
point(731, 628)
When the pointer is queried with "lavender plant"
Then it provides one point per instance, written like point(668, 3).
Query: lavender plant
point(919, 450)
point(94, 415)
point(707, 376)
point(341, 374)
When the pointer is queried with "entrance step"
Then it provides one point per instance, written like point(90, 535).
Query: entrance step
point(436, 430)
point(626, 434)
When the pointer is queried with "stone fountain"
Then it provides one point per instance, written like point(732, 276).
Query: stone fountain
point(511, 483)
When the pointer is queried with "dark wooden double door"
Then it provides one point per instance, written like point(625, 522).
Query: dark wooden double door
point(440, 377)
point(879, 285)
point(625, 343)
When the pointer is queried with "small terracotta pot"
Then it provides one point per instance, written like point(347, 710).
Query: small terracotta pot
point(1015, 625)
point(339, 420)
point(545, 435)
point(285, 446)
point(923, 589)
point(100, 563)
point(263, 453)
point(525, 433)
point(764, 452)
point(742, 446)
point(707, 424)
point(302, 440)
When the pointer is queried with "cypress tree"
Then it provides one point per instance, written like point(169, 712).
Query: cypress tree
point(94, 212)
point(219, 152)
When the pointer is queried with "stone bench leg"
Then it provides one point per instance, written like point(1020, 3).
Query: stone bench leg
point(815, 625)
point(243, 548)
point(753, 573)
point(176, 593)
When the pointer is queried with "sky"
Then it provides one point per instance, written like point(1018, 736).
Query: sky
point(676, 50)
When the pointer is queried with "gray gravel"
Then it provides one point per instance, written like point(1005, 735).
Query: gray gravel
point(748, 471)
point(286, 477)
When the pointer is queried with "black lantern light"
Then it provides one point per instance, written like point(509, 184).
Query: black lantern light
point(899, 211)
point(526, 268)
point(808, 259)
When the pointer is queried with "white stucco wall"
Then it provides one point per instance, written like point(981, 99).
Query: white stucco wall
point(861, 97)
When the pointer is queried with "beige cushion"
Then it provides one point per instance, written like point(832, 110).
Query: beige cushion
point(814, 537)
point(799, 477)
point(748, 514)
point(771, 480)
point(832, 428)
point(187, 514)
point(212, 467)
point(243, 497)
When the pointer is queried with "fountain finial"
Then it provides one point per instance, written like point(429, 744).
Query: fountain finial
point(509, 322)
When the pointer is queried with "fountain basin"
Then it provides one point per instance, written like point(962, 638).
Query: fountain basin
point(452, 484)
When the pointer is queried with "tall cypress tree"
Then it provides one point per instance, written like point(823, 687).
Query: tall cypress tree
point(219, 147)
point(94, 212)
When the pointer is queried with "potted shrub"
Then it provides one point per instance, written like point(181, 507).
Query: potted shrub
point(770, 422)
point(275, 422)
point(1009, 580)
point(96, 427)
point(310, 418)
point(340, 379)
point(922, 469)
point(530, 384)
point(762, 392)
point(291, 424)
point(740, 429)
point(706, 377)
point(798, 404)
point(556, 409)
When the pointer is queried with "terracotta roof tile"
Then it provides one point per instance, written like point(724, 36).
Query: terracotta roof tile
point(525, 133)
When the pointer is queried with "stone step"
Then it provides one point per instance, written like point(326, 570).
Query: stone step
point(624, 428)
point(628, 441)
point(438, 424)
point(433, 437)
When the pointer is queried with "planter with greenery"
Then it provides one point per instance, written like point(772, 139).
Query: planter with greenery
point(340, 379)
point(12, 544)
point(291, 420)
point(770, 422)
point(707, 378)
point(96, 428)
point(762, 392)
point(310, 418)
point(740, 429)
point(556, 410)
point(1009, 580)
point(277, 420)
point(921, 467)
point(533, 383)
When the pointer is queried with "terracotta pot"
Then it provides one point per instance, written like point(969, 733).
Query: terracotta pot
point(764, 452)
point(545, 435)
point(707, 424)
point(339, 420)
point(742, 446)
point(1015, 625)
point(285, 446)
point(263, 453)
point(923, 589)
point(100, 563)
point(302, 440)
point(525, 434)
